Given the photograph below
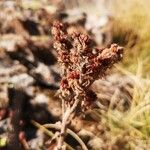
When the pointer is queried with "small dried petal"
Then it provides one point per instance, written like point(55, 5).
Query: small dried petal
point(74, 75)
point(64, 83)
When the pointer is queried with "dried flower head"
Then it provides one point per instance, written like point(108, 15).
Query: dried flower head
point(81, 64)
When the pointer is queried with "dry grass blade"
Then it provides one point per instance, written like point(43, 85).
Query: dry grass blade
point(49, 133)
point(73, 134)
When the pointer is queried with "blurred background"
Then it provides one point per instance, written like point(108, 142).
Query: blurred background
point(30, 75)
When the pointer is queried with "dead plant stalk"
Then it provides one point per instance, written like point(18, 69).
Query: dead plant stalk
point(81, 64)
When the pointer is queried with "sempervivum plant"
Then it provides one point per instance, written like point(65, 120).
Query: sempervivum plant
point(81, 64)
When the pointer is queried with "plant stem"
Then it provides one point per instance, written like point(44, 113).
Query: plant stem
point(65, 122)
point(49, 133)
point(73, 134)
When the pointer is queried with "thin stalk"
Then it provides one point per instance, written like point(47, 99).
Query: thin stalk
point(49, 133)
point(65, 121)
point(73, 134)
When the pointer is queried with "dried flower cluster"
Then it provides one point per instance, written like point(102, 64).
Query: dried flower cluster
point(81, 65)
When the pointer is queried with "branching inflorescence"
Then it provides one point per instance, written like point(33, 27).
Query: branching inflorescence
point(81, 64)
